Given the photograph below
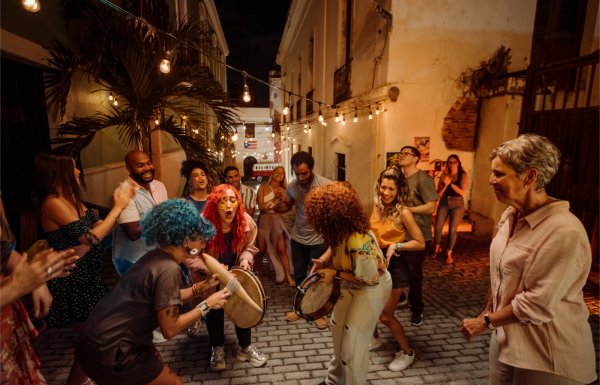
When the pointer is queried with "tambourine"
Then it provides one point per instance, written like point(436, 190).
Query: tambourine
point(314, 298)
point(238, 310)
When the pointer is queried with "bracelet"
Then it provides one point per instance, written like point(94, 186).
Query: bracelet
point(488, 322)
point(204, 308)
point(399, 245)
point(196, 289)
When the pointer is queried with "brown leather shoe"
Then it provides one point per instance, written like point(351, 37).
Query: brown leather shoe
point(292, 316)
point(322, 323)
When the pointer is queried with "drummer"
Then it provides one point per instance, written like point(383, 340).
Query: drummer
point(233, 245)
point(116, 346)
point(357, 261)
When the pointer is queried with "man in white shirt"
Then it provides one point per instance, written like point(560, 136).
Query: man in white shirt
point(128, 246)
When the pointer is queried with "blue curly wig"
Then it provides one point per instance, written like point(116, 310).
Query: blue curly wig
point(173, 221)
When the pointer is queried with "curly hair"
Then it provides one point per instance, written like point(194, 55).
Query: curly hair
point(336, 212)
point(211, 212)
point(173, 221)
point(189, 165)
point(530, 151)
point(403, 197)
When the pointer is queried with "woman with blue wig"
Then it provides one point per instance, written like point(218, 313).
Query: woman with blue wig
point(116, 347)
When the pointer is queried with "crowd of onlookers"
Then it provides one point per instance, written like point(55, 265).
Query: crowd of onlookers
point(539, 262)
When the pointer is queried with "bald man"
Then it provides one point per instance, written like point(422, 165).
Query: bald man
point(128, 247)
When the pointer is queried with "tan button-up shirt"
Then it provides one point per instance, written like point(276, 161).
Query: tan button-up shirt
point(541, 270)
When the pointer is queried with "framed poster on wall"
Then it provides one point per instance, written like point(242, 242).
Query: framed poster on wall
point(422, 144)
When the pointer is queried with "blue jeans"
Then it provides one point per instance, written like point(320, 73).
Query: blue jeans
point(301, 258)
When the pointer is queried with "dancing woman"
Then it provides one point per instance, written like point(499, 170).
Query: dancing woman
point(391, 221)
point(271, 229)
point(452, 187)
point(233, 245)
point(117, 347)
point(69, 224)
point(337, 214)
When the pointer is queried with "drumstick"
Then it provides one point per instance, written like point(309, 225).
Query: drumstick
point(225, 277)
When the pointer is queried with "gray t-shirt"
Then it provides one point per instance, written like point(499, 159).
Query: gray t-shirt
point(303, 232)
point(423, 190)
point(117, 343)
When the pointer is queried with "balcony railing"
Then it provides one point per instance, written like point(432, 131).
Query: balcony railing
point(341, 84)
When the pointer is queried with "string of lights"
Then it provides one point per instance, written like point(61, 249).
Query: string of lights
point(246, 97)
point(342, 114)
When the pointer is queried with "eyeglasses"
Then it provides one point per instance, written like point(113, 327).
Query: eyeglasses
point(406, 153)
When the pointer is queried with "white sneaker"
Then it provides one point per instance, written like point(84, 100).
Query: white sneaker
point(401, 361)
point(157, 337)
point(253, 355)
point(375, 344)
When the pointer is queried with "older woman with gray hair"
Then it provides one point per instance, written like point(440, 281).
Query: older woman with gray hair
point(539, 262)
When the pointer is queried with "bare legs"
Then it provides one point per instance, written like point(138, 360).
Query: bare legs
point(285, 259)
point(388, 319)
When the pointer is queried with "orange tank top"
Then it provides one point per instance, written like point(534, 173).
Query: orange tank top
point(385, 230)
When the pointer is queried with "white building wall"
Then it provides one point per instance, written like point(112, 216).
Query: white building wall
point(429, 45)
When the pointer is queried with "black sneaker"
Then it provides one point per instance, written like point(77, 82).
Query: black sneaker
point(416, 319)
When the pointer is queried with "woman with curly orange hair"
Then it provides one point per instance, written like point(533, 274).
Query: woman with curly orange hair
point(233, 245)
point(355, 259)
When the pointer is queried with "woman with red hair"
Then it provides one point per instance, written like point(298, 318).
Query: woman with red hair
point(233, 245)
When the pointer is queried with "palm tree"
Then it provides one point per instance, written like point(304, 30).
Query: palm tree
point(121, 54)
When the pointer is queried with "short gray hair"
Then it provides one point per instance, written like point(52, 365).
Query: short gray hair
point(530, 151)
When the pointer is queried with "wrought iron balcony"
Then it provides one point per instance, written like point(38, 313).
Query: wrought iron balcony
point(341, 84)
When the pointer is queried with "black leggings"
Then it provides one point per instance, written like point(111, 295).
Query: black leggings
point(215, 324)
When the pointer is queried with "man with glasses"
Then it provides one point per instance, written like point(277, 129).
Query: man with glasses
point(424, 195)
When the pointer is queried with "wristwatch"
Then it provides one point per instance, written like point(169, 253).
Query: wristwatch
point(488, 323)
point(203, 306)
point(337, 274)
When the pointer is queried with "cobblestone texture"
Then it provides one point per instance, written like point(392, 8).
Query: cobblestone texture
point(298, 352)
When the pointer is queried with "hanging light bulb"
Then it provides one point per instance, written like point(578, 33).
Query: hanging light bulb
point(370, 114)
point(272, 134)
point(305, 131)
point(377, 110)
point(110, 96)
point(234, 137)
point(165, 64)
point(287, 128)
point(286, 109)
point(355, 117)
point(320, 114)
point(337, 117)
point(115, 103)
point(156, 121)
point(31, 5)
point(344, 121)
point(246, 95)
point(309, 130)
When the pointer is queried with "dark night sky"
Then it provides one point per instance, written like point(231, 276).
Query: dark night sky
point(253, 31)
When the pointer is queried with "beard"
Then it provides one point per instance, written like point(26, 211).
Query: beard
point(140, 179)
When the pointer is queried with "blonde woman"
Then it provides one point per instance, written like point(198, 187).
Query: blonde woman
point(391, 221)
point(273, 234)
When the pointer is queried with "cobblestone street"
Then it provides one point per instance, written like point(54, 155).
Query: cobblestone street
point(298, 352)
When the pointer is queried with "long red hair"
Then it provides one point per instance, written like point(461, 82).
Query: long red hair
point(211, 212)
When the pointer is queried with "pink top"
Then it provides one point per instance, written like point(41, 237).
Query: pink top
point(541, 271)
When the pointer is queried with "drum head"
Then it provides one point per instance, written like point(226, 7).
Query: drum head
point(238, 311)
point(314, 298)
